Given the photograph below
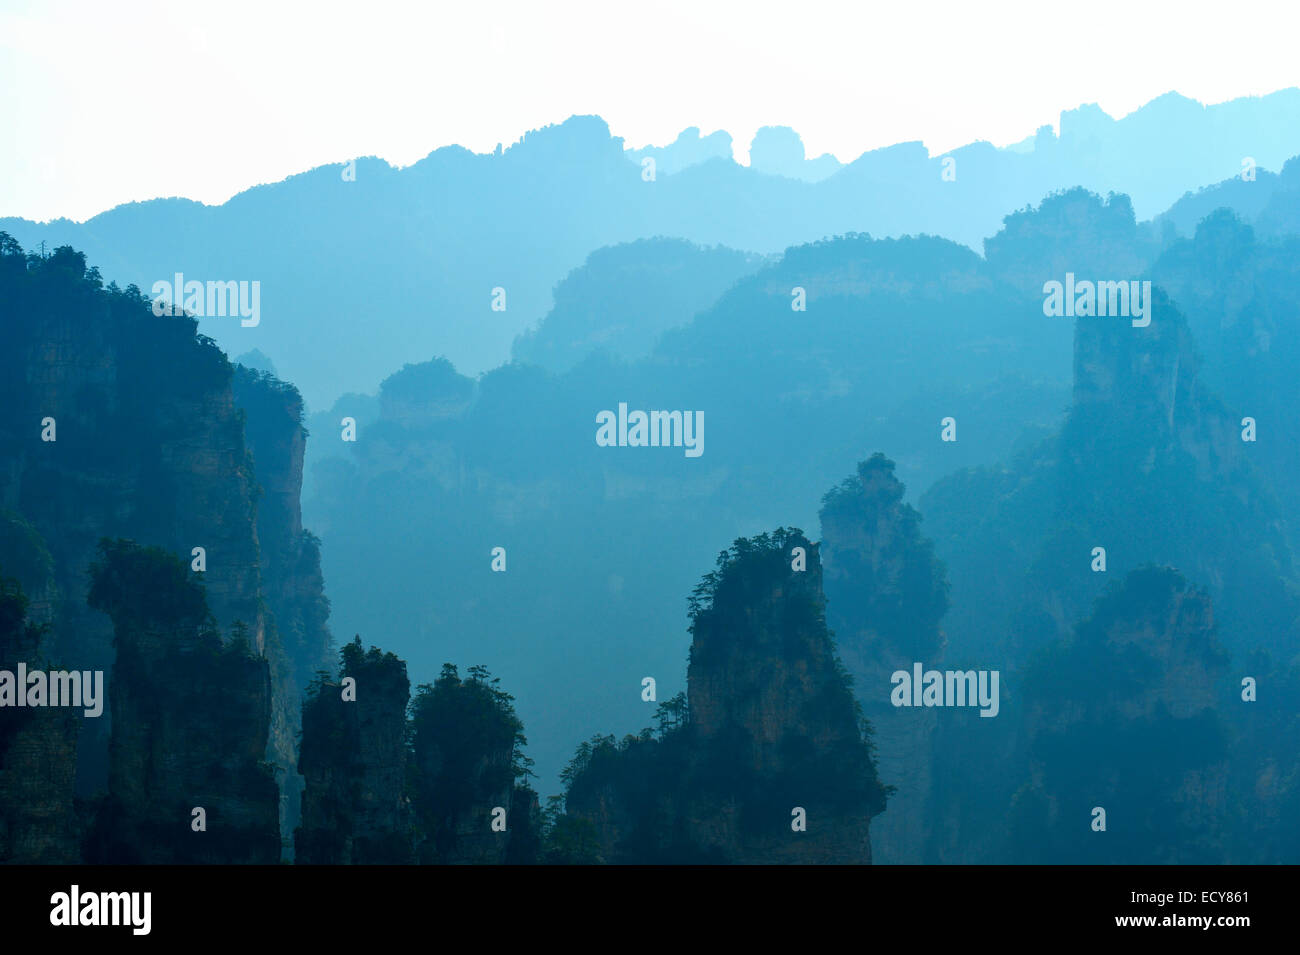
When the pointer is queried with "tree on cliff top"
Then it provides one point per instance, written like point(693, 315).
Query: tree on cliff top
point(145, 588)
point(467, 748)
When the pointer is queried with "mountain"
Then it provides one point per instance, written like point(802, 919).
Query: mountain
point(778, 151)
point(1156, 476)
point(765, 760)
point(129, 425)
point(1096, 412)
point(1240, 290)
point(886, 593)
point(354, 810)
point(1269, 201)
point(1123, 718)
point(361, 267)
point(38, 747)
point(188, 781)
point(1145, 448)
point(688, 149)
point(390, 780)
point(623, 297)
point(895, 336)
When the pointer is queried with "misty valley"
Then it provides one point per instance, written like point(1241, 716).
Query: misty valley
point(990, 556)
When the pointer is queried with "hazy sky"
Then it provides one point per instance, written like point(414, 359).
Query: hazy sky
point(110, 102)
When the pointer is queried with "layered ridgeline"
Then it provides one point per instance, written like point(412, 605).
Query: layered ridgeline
point(1143, 701)
point(121, 423)
point(895, 336)
point(1150, 466)
point(1128, 729)
point(624, 297)
point(766, 759)
point(457, 514)
point(846, 344)
point(1239, 287)
point(1269, 201)
point(203, 636)
point(837, 347)
point(362, 265)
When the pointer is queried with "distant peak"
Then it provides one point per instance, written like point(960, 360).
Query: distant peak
point(775, 146)
point(779, 151)
point(690, 148)
point(1172, 98)
point(580, 132)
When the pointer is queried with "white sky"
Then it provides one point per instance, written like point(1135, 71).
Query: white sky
point(105, 103)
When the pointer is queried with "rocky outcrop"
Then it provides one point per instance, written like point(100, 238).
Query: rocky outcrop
point(1239, 291)
point(442, 788)
point(465, 746)
point(1072, 231)
point(1150, 467)
point(886, 593)
point(769, 762)
point(422, 394)
point(187, 777)
point(120, 423)
point(129, 424)
point(353, 761)
point(38, 754)
point(1147, 447)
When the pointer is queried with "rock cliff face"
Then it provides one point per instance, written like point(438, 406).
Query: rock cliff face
point(1147, 380)
point(464, 747)
point(770, 763)
point(886, 593)
point(1147, 447)
point(354, 764)
point(190, 723)
point(127, 424)
point(441, 788)
point(146, 443)
point(1151, 467)
point(1072, 231)
point(292, 584)
point(38, 755)
point(1124, 717)
point(1240, 293)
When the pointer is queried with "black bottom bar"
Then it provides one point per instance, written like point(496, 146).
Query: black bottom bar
point(516, 906)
